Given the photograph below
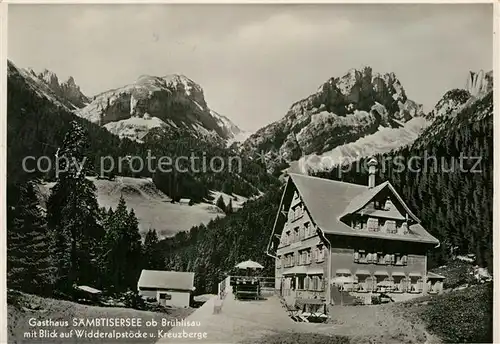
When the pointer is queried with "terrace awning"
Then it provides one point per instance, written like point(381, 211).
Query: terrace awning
point(315, 272)
point(343, 271)
point(398, 273)
point(415, 274)
point(296, 270)
point(363, 272)
point(381, 273)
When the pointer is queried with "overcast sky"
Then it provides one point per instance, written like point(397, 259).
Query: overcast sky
point(254, 61)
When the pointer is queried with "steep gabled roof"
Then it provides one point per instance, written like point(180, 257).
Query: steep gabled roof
point(327, 201)
point(363, 199)
point(166, 280)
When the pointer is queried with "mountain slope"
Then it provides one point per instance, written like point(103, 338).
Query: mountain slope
point(172, 103)
point(342, 111)
point(38, 121)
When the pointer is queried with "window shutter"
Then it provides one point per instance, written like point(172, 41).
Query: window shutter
point(405, 260)
point(306, 283)
point(420, 285)
point(356, 256)
point(374, 258)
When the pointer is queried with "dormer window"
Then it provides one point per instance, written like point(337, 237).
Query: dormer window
point(388, 205)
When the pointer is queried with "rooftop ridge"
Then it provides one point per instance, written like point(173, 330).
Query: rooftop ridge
point(327, 180)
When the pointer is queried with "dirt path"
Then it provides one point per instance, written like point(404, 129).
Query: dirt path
point(238, 321)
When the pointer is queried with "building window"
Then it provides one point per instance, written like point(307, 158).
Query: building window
point(371, 258)
point(165, 296)
point(317, 283)
point(296, 234)
point(298, 212)
point(359, 223)
point(401, 259)
point(388, 205)
point(372, 224)
point(301, 233)
point(390, 226)
point(307, 230)
point(382, 225)
point(361, 257)
point(402, 228)
point(320, 253)
point(300, 284)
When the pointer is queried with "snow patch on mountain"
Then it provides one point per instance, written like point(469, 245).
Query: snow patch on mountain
point(135, 128)
point(382, 141)
point(343, 110)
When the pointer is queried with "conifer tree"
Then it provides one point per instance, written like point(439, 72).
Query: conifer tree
point(153, 258)
point(220, 203)
point(73, 214)
point(122, 248)
point(229, 208)
point(134, 246)
point(29, 262)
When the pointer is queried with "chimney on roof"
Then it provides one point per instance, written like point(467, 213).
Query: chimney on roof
point(372, 169)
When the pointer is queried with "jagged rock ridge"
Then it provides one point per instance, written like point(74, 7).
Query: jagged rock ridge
point(343, 110)
point(388, 136)
point(68, 91)
point(479, 83)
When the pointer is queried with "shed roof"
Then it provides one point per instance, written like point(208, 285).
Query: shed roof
point(166, 279)
point(432, 275)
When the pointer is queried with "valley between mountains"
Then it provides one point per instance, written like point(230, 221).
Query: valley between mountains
point(205, 222)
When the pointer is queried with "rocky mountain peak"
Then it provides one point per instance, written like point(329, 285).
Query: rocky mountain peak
point(50, 78)
point(172, 103)
point(342, 110)
point(70, 81)
point(479, 83)
point(68, 92)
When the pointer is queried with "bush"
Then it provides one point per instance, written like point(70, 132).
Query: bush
point(132, 299)
point(457, 273)
point(464, 316)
